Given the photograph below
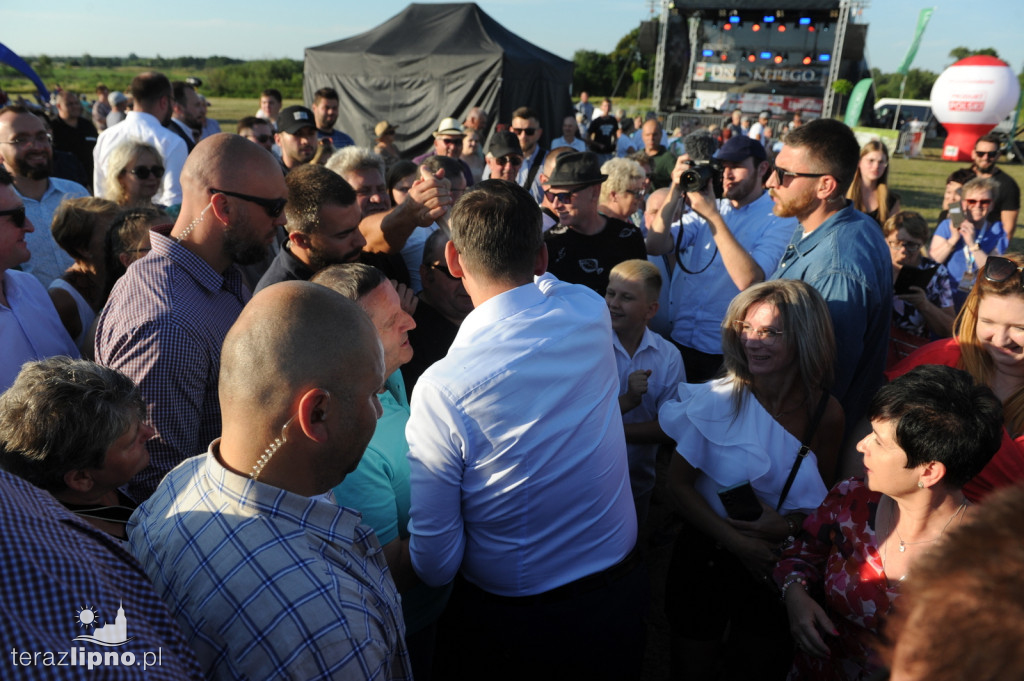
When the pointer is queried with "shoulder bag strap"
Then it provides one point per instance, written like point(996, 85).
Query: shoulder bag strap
point(805, 447)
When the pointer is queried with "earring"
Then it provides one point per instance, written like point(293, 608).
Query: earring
point(920, 484)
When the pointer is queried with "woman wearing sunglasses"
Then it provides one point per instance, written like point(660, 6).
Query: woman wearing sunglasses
point(134, 172)
point(988, 343)
point(964, 248)
point(746, 436)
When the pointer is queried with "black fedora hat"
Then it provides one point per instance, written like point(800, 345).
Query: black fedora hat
point(577, 169)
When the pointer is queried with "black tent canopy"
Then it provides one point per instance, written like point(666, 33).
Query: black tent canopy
point(434, 61)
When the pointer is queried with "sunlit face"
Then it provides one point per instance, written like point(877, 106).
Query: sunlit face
point(251, 229)
point(136, 189)
point(904, 249)
point(775, 354)
point(297, 148)
point(629, 304)
point(985, 155)
point(325, 112)
point(270, 107)
point(976, 204)
point(448, 145)
point(872, 165)
point(505, 167)
point(69, 106)
point(13, 249)
point(470, 145)
point(1000, 331)
point(652, 136)
point(392, 323)
point(126, 457)
point(400, 191)
point(578, 207)
point(796, 196)
point(885, 462)
point(569, 127)
point(371, 190)
point(25, 149)
point(951, 197)
point(337, 239)
point(741, 181)
point(354, 415)
point(521, 128)
point(629, 200)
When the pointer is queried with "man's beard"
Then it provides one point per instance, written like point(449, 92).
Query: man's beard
point(318, 260)
point(794, 207)
point(242, 250)
point(34, 172)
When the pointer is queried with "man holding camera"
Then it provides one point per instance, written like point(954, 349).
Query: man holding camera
point(721, 246)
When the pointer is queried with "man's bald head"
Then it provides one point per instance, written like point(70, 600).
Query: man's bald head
point(224, 160)
point(291, 337)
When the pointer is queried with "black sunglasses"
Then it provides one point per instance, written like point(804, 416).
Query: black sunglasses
point(143, 172)
point(998, 269)
point(17, 216)
point(528, 131)
point(505, 160)
point(274, 207)
point(443, 269)
point(990, 154)
point(781, 174)
point(263, 139)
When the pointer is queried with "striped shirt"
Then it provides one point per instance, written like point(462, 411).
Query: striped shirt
point(163, 327)
point(266, 583)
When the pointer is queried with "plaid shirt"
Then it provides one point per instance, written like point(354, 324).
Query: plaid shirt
point(163, 327)
point(267, 583)
point(55, 566)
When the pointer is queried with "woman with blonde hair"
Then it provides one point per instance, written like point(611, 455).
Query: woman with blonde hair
point(988, 343)
point(622, 194)
point(134, 172)
point(748, 434)
point(869, 190)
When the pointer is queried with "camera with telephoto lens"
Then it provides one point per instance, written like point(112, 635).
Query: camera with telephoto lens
point(700, 173)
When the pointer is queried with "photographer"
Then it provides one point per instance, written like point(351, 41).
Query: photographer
point(722, 246)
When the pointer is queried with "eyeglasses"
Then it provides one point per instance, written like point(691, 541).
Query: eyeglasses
point(528, 131)
point(766, 334)
point(977, 202)
point(17, 216)
point(443, 269)
point(274, 207)
point(263, 139)
point(43, 138)
point(781, 174)
point(639, 193)
point(897, 244)
point(989, 154)
point(143, 172)
point(562, 197)
point(506, 160)
point(998, 269)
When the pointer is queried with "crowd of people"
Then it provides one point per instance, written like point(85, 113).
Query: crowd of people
point(301, 408)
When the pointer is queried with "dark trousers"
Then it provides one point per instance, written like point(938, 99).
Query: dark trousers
point(701, 367)
point(592, 633)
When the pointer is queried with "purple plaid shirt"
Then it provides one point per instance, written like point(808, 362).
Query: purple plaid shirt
point(163, 327)
point(55, 567)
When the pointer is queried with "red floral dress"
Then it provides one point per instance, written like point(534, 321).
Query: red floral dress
point(837, 553)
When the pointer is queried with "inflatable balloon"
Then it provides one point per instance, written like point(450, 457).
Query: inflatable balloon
point(969, 99)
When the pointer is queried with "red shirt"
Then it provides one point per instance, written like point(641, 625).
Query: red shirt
point(1007, 466)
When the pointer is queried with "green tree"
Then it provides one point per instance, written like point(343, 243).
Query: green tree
point(958, 53)
point(639, 81)
point(842, 87)
point(44, 66)
point(593, 72)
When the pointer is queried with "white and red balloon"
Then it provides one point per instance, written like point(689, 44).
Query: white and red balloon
point(970, 98)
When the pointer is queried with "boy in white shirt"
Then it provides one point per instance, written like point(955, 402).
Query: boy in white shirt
point(650, 369)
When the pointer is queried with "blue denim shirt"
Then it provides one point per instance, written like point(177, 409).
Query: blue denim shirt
point(847, 260)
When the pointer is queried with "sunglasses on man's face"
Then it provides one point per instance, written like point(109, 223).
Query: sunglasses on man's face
point(17, 216)
point(506, 160)
point(274, 207)
point(519, 131)
point(989, 154)
point(143, 172)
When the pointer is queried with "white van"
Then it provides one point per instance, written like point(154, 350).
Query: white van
point(909, 109)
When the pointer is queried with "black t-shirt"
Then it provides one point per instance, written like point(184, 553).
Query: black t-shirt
point(588, 260)
point(430, 341)
point(603, 130)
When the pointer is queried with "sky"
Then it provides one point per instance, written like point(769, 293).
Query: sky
point(258, 30)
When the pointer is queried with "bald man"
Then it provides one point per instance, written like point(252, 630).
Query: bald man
point(166, 318)
point(267, 577)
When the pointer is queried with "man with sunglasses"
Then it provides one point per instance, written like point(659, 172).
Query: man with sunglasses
point(153, 96)
point(585, 245)
point(26, 151)
point(526, 127)
point(29, 325)
point(258, 131)
point(504, 156)
point(1006, 203)
point(721, 246)
point(839, 251)
point(167, 316)
point(448, 142)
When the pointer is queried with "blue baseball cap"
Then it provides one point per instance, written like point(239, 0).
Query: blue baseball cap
point(738, 148)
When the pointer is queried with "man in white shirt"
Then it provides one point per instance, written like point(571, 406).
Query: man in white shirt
point(519, 479)
point(152, 94)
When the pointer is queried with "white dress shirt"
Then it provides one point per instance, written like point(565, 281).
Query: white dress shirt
point(517, 453)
